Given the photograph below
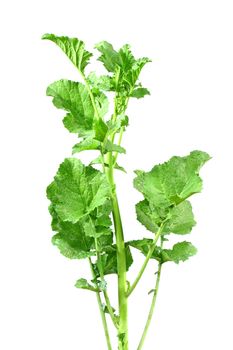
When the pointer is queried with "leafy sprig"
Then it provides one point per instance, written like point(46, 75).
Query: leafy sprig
point(84, 207)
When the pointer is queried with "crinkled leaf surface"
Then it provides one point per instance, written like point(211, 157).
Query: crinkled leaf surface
point(172, 182)
point(179, 219)
point(74, 98)
point(77, 190)
point(74, 242)
point(73, 48)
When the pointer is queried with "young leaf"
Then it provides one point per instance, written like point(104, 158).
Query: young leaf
point(77, 190)
point(109, 260)
point(103, 82)
point(109, 57)
point(83, 284)
point(98, 160)
point(111, 147)
point(140, 92)
point(73, 48)
point(172, 182)
point(87, 144)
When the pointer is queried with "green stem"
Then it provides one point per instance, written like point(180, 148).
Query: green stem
point(144, 265)
point(104, 321)
point(121, 263)
point(90, 94)
point(151, 311)
point(106, 297)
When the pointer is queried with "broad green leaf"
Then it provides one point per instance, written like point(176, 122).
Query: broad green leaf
point(74, 98)
point(140, 92)
point(73, 48)
point(72, 240)
point(77, 190)
point(84, 284)
point(172, 182)
point(180, 252)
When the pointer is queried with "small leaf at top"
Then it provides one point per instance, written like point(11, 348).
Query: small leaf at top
point(84, 284)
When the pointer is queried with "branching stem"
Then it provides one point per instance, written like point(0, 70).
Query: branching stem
point(144, 265)
point(152, 307)
point(102, 314)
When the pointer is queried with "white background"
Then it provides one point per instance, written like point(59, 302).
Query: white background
point(190, 107)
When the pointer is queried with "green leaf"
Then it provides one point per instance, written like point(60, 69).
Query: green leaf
point(180, 252)
point(73, 48)
point(109, 260)
point(72, 241)
point(181, 219)
point(111, 147)
point(84, 284)
point(143, 245)
point(101, 129)
point(109, 57)
point(148, 217)
point(172, 182)
point(103, 82)
point(74, 98)
point(77, 190)
point(140, 92)
point(86, 144)
point(98, 160)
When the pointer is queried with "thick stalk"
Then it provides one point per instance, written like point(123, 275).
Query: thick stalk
point(102, 314)
point(144, 265)
point(151, 311)
point(121, 263)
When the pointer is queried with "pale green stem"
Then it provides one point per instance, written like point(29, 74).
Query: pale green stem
point(121, 265)
point(152, 307)
point(144, 265)
point(106, 297)
point(102, 314)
